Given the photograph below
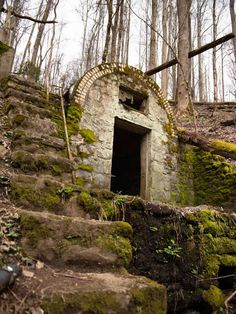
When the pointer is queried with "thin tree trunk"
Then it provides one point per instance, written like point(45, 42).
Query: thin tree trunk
point(28, 45)
point(40, 32)
point(153, 41)
point(49, 64)
point(233, 22)
point(120, 32)
point(114, 31)
point(214, 69)
point(222, 75)
point(128, 34)
point(108, 31)
point(183, 93)
point(199, 44)
point(164, 73)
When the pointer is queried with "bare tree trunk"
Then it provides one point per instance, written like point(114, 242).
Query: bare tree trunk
point(40, 32)
point(164, 73)
point(222, 74)
point(172, 52)
point(153, 41)
point(199, 44)
point(28, 45)
point(84, 37)
point(120, 33)
point(183, 100)
point(233, 22)
point(146, 34)
point(108, 31)
point(114, 30)
point(214, 69)
point(48, 73)
point(128, 35)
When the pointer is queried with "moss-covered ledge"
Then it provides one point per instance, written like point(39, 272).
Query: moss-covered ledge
point(75, 241)
point(215, 146)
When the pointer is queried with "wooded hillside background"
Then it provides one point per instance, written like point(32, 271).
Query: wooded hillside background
point(141, 33)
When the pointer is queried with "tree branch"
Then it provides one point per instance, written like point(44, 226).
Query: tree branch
point(27, 17)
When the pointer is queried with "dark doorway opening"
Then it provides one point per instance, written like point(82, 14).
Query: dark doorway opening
point(126, 160)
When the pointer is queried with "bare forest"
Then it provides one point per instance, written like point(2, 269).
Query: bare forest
point(57, 41)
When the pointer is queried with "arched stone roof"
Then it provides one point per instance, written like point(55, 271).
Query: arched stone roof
point(112, 68)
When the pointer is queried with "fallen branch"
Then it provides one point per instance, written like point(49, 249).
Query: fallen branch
point(25, 17)
point(218, 147)
point(229, 299)
point(192, 53)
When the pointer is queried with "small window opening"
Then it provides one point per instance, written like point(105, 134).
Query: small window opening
point(132, 98)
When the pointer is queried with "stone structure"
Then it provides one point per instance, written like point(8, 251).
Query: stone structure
point(134, 131)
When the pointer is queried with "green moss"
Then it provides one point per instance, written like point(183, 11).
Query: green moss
point(205, 178)
point(32, 229)
point(168, 129)
point(148, 300)
point(214, 296)
point(108, 208)
point(73, 117)
point(95, 302)
point(18, 119)
point(46, 198)
point(87, 168)
point(3, 47)
point(228, 260)
point(28, 162)
point(123, 229)
point(80, 181)
point(118, 245)
point(211, 265)
point(221, 245)
point(88, 135)
point(85, 200)
point(224, 146)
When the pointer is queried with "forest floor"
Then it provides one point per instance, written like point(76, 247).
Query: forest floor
point(214, 121)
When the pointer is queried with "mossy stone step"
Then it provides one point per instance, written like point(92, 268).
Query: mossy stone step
point(28, 163)
point(100, 293)
point(80, 242)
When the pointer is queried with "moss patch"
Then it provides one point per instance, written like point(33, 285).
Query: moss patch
point(88, 135)
point(46, 197)
point(32, 229)
point(3, 47)
point(224, 146)
point(87, 168)
point(118, 245)
point(98, 302)
point(214, 296)
point(206, 179)
point(28, 162)
point(73, 116)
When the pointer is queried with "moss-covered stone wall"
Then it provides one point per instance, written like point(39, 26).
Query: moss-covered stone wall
point(192, 251)
point(205, 178)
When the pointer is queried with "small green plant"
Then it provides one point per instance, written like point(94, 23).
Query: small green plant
point(173, 249)
point(153, 228)
point(66, 191)
point(119, 203)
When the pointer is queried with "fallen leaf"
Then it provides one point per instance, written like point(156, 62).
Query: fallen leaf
point(39, 265)
point(27, 273)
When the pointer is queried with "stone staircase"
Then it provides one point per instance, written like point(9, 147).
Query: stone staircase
point(59, 219)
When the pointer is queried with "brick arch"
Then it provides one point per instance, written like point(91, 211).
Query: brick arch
point(112, 68)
